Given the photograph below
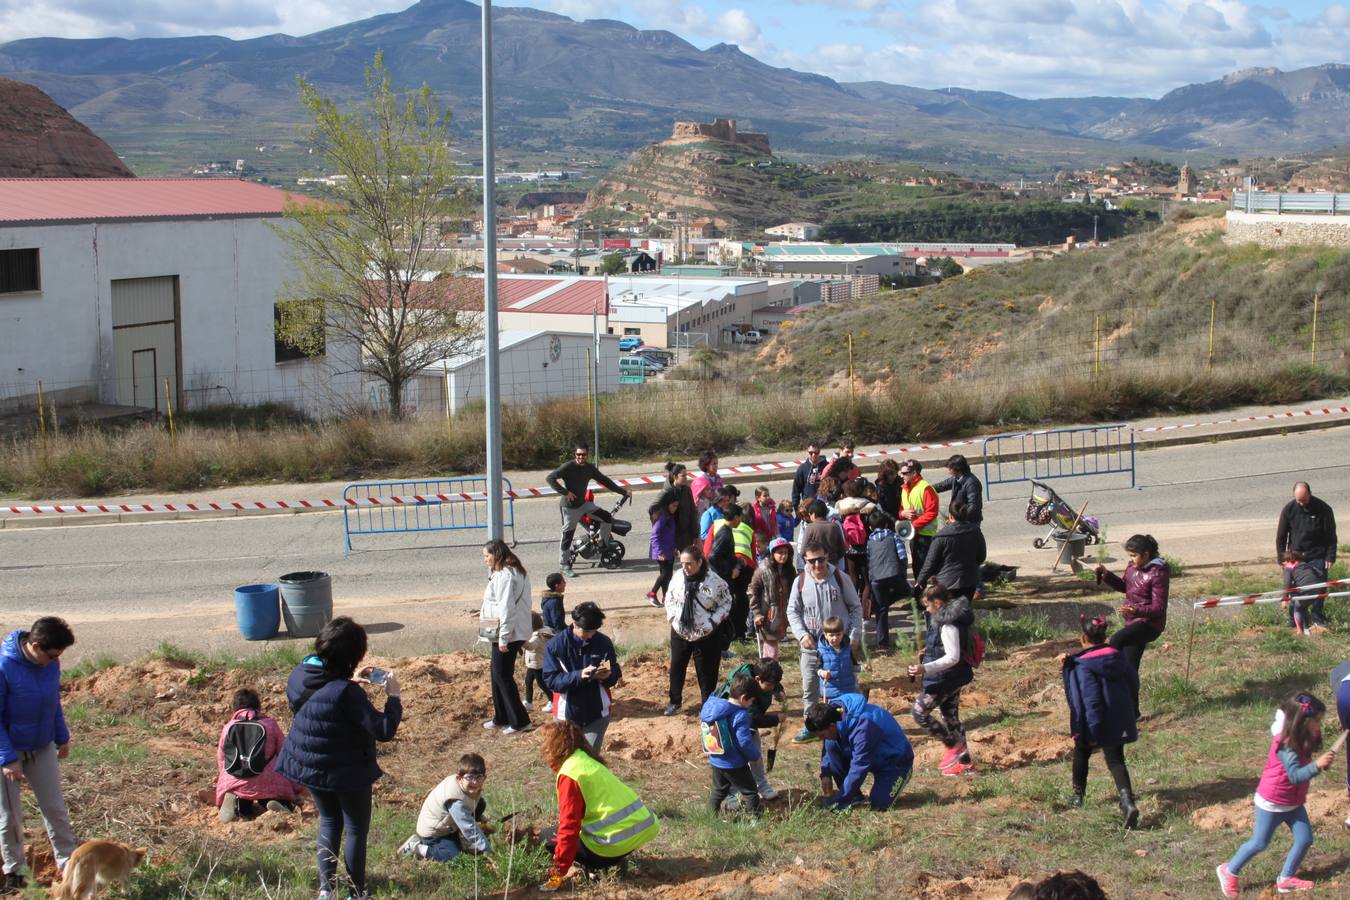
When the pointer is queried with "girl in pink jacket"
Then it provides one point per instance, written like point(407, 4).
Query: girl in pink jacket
point(238, 791)
point(1281, 793)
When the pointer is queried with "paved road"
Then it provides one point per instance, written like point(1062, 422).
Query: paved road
point(127, 586)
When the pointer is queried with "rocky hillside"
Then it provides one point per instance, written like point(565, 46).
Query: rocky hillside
point(39, 139)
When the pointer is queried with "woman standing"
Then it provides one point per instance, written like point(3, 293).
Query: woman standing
point(331, 746)
point(600, 819)
point(705, 486)
point(956, 554)
point(889, 486)
point(698, 603)
point(506, 600)
point(769, 589)
point(686, 518)
point(1145, 587)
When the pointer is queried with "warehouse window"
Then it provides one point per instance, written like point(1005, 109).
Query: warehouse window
point(19, 271)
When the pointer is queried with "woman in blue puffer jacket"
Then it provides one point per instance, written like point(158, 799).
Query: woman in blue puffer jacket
point(33, 736)
point(331, 745)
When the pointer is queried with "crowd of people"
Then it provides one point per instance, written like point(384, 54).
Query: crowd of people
point(817, 568)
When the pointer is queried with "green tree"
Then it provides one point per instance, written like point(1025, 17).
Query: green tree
point(613, 264)
point(367, 256)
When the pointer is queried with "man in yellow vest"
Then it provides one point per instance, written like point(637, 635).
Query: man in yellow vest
point(919, 505)
point(600, 819)
point(732, 556)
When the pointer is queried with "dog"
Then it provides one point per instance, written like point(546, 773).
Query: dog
point(95, 864)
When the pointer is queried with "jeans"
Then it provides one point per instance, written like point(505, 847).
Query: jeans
point(1266, 823)
point(42, 773)
point(595, 732)
point(885, 593)
point(347, 811)
point(809, 661)
point(506, 706)
point(707, 654)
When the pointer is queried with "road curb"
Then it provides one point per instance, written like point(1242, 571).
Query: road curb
point(1143, 444)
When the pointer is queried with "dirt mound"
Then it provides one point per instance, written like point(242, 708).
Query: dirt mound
point(800, 880)
point(1004, 750)
point(970, 888)
point(1326, 808)
point(659, 740)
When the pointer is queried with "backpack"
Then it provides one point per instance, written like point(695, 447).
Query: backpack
point(245, 749)
point(973, 653)
point(855, 531)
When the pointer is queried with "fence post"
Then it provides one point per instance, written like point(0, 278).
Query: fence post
point(1097, 351)
point(42, 417)
point(1213, 309)
point(168, 406)
point(852, 394)
point(1317, 299)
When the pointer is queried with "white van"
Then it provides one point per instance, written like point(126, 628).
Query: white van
point(753, 337)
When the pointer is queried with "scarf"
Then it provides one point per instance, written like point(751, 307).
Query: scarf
point(691, 585)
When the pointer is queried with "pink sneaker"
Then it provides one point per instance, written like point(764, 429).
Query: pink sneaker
point(1291, 884)
point(958, 768)
point(949, 758)
point(1228, 882)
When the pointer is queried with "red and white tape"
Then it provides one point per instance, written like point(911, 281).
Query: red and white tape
point(523, 493)
point(1279, 595)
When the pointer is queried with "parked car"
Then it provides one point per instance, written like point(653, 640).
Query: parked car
point(655, 354)
point(631, 342)
point(753, 337)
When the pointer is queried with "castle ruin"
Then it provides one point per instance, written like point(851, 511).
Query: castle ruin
point(720, 130)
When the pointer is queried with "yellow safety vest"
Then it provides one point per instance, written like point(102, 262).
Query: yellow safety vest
point(616, 821)
point(912, 498)
point(742, 538)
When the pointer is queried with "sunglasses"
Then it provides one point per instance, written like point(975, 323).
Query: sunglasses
point(817, 559)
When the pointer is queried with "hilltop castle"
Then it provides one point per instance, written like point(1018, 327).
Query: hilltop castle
point(720, 130)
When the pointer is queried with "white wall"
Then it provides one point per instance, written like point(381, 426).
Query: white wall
point(229, 271)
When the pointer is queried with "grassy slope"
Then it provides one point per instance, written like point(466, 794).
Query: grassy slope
point(1201, 748)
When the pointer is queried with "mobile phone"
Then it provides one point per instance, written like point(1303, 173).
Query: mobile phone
point(378, 676)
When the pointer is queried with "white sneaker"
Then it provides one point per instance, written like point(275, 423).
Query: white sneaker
point(510, 730)
point(489, 724)
point(409, 847)
point(528, 704)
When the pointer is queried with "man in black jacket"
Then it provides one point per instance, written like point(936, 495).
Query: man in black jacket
point(571, 480)
point(962, 483)
point(807, 479)
point(1308, 528)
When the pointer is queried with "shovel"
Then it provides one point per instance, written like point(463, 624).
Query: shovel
point(771, 755)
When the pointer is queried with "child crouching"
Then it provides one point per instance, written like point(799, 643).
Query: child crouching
point(730, 744)
point(451, 821)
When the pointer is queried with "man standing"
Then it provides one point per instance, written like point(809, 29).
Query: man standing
point(823, 591)
point(918, 505)
point(33, 736)
point(571, 480)
point(962, 483)
point(1308, 528)
point(807, 479)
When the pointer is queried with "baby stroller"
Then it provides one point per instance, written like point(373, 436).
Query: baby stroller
point(587, 544)
point(1047, 508)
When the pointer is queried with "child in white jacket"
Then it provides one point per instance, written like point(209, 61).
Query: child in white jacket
point(534, 658)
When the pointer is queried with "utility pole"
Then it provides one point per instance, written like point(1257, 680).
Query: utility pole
point(491, 362)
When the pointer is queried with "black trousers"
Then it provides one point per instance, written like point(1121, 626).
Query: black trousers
point(740, 780)
point(918, 551)
point(1131, 641)
point(663, 577)
point(1115, 762)
point(533, 677)
point(506, 706)
point(707, 655)
point(585, 857)
point(740, 604)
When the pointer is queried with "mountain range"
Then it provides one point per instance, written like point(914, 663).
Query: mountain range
point(601, 86)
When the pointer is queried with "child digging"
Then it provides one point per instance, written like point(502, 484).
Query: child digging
point(768, 674)
point(1100, 686)
point(1281, 793)
point(945, 672)
point(730, 744)
point(451, 821)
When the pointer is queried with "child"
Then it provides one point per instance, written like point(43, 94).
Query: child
point(534, 658)
point(768, 675)
point(1282, 791)
point(1100, 686)
point(886, 557)
point(945, 672)
point(764, 520)
point(451, 821)
point(836, 661)
point(730, 744)
point(1299, 574)
point(551, 602)
point(663, 549)
point(787, 520)
point(246, 760)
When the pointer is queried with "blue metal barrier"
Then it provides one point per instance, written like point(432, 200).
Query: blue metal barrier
point(428, 514)
point(1058, 453)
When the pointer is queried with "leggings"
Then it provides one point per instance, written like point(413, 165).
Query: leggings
point(949, 730)
point(1131, 642)
point(663, 577)
point(339, 811)
point(1115, 762)
point(1266, 823)
point(533, 677)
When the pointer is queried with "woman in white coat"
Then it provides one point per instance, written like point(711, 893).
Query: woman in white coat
point(506, 601)
point(698, 604)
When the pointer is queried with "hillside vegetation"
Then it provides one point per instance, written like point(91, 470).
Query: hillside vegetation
point(1142, 304)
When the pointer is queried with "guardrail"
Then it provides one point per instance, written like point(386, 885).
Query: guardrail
point(1058, 453)
point(418, 508)
point(1280, 202)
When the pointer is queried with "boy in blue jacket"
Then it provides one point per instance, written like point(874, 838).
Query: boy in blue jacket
point(33, 736)
point(580, 669)
point(837, 671)
point(859, 738)
point(730, 743)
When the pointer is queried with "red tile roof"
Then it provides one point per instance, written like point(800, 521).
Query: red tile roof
point(104, 199)
point(556, 296)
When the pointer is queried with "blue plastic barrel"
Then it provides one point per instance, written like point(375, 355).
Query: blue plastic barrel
point(257, 607)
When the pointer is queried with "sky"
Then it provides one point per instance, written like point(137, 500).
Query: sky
point(1032, 48)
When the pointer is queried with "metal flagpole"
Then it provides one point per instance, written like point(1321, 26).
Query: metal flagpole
point(491, 362)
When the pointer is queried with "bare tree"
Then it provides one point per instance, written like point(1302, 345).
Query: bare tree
point(368, 262)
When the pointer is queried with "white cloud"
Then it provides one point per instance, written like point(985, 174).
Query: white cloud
point(738, 28)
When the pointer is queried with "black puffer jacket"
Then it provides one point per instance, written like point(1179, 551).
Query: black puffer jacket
point(955, 557)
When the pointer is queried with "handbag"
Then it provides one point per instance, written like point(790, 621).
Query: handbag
point(489, 630)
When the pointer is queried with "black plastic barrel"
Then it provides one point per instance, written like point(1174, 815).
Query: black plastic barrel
point(306, 602)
